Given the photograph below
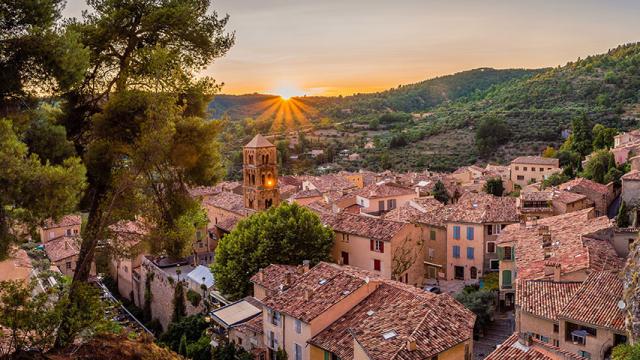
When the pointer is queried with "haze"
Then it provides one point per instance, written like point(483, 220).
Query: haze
point(339, 47)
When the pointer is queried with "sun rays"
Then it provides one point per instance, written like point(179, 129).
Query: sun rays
point(287, 113)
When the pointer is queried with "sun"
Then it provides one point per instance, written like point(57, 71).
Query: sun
point(288, 92)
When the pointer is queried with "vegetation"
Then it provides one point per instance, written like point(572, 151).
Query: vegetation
point(191, 329)
point(626, 352)
point(287, 234)
point(481, 303)
point(179, 305)
point(229, 351)
point(492, 132)
point(440, 193)
point(622, 219)
point(494, 187)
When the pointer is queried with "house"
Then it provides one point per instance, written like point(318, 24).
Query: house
point(525, 347)
point(579, 317)
point(429, 215)
point(600, 195)
point(200, 280)
point(528, 169)
point(267, 281)
point(631, 188)
point(16, 267)
point(127, 253)
point(473, 225)
point(332, 312)
point(68, 225)
point(376, 199)
point(241, 322)
point(328, 183)
point(566, 247)
point(533, 205)
point(391, 249)
point(63, 252)
point(305, 197)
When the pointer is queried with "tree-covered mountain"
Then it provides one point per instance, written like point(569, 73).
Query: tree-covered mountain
point(420, 96)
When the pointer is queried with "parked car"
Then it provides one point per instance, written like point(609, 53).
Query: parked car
point(432, 289)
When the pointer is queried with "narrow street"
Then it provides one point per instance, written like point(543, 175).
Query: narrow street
point(498, 332)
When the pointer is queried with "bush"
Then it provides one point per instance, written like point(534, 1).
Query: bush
point(194, 297)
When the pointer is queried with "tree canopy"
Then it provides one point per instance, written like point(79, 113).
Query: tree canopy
point(440, 193)
point(287, 234)
point(494, 187)
point(492, 132)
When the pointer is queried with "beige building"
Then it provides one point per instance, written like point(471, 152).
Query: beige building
point(260, 174)
point(599, 195)
point(316, 316)
point(473, 225)
point(63, 252)
point(631, 188)
point(68, 225)
point(376, 199)
point(531, 169)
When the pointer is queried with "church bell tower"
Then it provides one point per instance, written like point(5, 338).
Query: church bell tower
point(260, 174)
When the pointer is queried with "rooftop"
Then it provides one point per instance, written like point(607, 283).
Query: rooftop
point(67, 220)
point(274, 275)
point(512, 349)
point(62, 247)
point(578, 241)
point(361, 225)
point(544, 298)
point(577, 183)
point(483, 208)
point(385, 321)
point(382, 190)
point(596, 302)
point(259, 141)
point(330, 182)
point(16, 267)
point(228, 201)
point(536, 160)
point(633, 175)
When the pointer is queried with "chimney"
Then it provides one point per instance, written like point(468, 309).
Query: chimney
point(523, 224)
point(543, 229)
point(261, 275)
point(287, 279)
point(549, 268)
point(307, 294)
point(411, 344)
point(546, 240)
point(66, 245)
point(306, 264)
point(557, 272)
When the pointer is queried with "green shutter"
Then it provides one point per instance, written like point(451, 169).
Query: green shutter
point(500, 253)
point(433, 234)
point(506, 278)
point(326, 355)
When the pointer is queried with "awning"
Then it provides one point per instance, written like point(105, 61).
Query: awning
point(432, 264)
point(235, 313)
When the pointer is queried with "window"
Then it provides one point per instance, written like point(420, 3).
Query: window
point(491, 247)
point(345, 237)
point(432, 253)
point(507, 253)
point(298, 326)
point(377, 265)
point(275, 318)
point(470, 253)
point(456, 251)
point(391, 204)
point(377, 245)
point(68, 265)
point(506, 279)
point(489, 229)
point(298, 352)
point(198, 235)
point(381, 205)
point(541, 169)
point(75, 232)
point(345, 257)
point(126, 269)
point(470, 233)
point(51, 235)
point(534, 180)
point(520, 177)
point(556, 328)
point(473, 272)
point(494, 264)
point(68, 232)
point(533, 169)
point(456, 232)
point(524, 168)
point(432, 235)
point(517, 168)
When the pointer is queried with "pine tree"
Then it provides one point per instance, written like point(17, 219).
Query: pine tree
point(179, 305)
point(439, 192)
point(622, 218)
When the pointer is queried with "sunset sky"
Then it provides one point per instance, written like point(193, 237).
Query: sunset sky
point(331, 47)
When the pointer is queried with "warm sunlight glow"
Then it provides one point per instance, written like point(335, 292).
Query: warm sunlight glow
point(287, 92)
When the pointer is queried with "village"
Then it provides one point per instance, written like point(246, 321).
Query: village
point(405, 246)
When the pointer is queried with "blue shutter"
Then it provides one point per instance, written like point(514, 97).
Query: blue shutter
point(456, 251)
point(469, 253)
point(469, 233)
point(456, 232)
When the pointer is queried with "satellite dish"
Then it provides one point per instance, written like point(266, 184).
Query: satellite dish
point(621, 305)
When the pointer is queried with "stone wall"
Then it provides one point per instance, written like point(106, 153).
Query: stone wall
point(631, 294)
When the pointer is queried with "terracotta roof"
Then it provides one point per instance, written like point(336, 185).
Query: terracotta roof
point(306, 194)
point(330, 182)
point(536, 160)
point(578, 183)
point(422, 210)
point(578, 241)
point(258, 141)
point(67, 220)
point(228, 201)
point(633, 175)
point(128, 233)
point(544, 298)
point(536, 196)
point(325, 285)
point(361, 225)
point(596, 302)
point(435, 322)
point(511, 349)
point(483, 208)
point(386, 189)
point(16, 267)
point(204, 190)
point(567, 197)
point(228, 223)
point(273, 276)
point(61, 248)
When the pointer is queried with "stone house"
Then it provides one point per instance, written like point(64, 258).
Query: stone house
point(528, 169)
point(600, 195)
point(68, 225)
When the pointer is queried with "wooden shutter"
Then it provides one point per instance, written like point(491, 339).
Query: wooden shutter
point(371, 244)
point(500, 253)
point(381, 246)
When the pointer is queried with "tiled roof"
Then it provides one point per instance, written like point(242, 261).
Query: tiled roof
point(577, 183)
point(128, 233)
point(67, 220)
point(596, 302)
point(378, 190)
point(274, 275)
point(17, 266)
point(577, 242)
point(258, 141)
point(511, 349)
point(61, 248)
point(306, 194)
point(536, 160)
point(316, 290)
point(422, 210)
point(329, 182)
point(365, 226)
point(228, 223)
point(562, 196)
point(544, 298)
point(483, 208)
point(567, 197)
point(228, 201)
point(536, 195)
point(435, 322)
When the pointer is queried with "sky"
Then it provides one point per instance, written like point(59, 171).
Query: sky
point(341, 47)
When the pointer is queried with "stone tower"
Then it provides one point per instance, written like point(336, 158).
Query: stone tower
point(260, 174)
